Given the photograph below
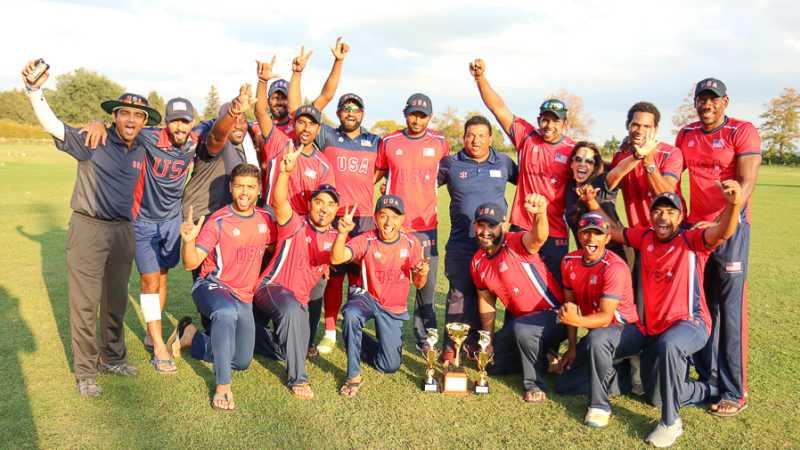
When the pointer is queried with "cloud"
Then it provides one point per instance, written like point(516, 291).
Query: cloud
point(401, 53)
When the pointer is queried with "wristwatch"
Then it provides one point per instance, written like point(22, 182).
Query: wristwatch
point(650, 168)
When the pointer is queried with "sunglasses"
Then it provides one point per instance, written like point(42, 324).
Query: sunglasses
point(593, 221)
point(350, 108)
point(581, 160)
point(553, 106)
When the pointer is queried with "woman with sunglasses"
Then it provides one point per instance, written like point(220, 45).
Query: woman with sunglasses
point(587, 172)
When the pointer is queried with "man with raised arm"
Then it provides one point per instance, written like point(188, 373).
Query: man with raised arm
point(100, 247)
point(301, 258)
point(390, 259)
point(507, 266)
point(543, 157)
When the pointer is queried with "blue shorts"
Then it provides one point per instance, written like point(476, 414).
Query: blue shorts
point(158, 244)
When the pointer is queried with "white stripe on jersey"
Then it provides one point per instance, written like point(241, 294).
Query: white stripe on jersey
point(542, 289)
point(692, 281)
point(218, 257)
point(283, 259)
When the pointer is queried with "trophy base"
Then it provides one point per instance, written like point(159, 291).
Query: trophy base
point(430, 387)
point(455, 383)
point(481, 390)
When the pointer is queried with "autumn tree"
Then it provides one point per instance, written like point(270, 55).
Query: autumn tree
point(781, 127)
point(579, 122)
point(685, 114)
point(384, 127)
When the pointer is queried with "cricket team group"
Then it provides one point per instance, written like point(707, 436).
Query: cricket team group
point(273, 216)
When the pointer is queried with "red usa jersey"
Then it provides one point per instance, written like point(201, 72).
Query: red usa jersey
point(353, 163)
point(386, 267)
point(519, 279)
point(235, 246)
point(608, 277)
point(711, 157)
point(672, 277)
point(301, 257)
point(544, 170)
point(635, 188)
point(311, 171)
point(286, 128)
point(413, 165)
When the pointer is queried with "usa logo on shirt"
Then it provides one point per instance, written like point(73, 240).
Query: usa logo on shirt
point(691, 143)
point(310, 173)
point(462, 174)
point(262, 228)
point(593, 280)
point(503, 266)
point(561, 158)
point(717, 143)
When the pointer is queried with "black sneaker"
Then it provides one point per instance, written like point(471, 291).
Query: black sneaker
point(124, 369)
point(88, 387)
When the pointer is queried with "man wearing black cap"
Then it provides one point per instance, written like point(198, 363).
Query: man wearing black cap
point(508, 266)
point(389, 259)
point(101, 245)
point(301, 258)
point(676, 321)
point(409, 158)
point(543, 157)
point(718, 148)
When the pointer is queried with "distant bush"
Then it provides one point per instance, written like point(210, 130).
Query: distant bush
point(13, 130)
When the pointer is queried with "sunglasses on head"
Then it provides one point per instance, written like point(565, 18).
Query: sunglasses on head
point(581, 160)
point(350, 108)
point(554, 106)
point(593, 221)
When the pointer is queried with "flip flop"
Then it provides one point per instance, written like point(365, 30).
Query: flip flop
point(735, 407)
point(226, 397)
point(530, 396)
point(301, 387)
point(174, 341)
point(164, 366)
point(350, 388)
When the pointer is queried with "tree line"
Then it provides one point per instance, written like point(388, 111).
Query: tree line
point(77, 95)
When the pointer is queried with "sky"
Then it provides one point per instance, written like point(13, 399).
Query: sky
point(611, 54)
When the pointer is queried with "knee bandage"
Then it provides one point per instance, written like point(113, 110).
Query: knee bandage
point(151, 306)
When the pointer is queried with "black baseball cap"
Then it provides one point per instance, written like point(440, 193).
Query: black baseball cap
point(418, 103)
point(310, 111)
point(490, 212)
point(135, 101)
point(593, 221)
point(280, 85)
point(179, 108)
point(670, 199)
point(554, 106)
point(326, 189)
point(717, 87)
point(350, 98)
point(392, 202)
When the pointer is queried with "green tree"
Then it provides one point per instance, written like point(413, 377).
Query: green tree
point(78, 94)
point(579, 122)
point(609, 147)
point(157, 102)
point(781, 127)
point(451, 126)
point(384, 127)
point(15, 106)
point(212, 104)
point(685, 114)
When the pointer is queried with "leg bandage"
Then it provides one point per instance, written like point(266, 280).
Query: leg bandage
point(151, 307)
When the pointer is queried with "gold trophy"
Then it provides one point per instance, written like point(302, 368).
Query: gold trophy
point(455, 380)
point(430, 384)
point(484, 359)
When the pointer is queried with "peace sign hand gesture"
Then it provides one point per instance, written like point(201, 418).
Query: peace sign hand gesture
point(243, 102)
point(421, 268)
point(264, 70)
point(190, 230)
point(289, 160)
point(340, 50)
point(299, 62)
point(346, 224)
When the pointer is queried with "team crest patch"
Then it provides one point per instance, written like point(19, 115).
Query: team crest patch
point(404, 253)
point(399, 152)
point(572, 275)
point(650, 248)
point(236, 232)
point(262, 228)
point(503, 267)
point(733, 267)
point(310, 173)
point(554, 180)
point(366, 143)
point(377, 254)
point(327, 245)
point(462, 174)
point(516, 290)
point(341, 139)
point(691, 143)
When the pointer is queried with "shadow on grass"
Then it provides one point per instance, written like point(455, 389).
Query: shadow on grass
point(17, 426)
point(54, 273)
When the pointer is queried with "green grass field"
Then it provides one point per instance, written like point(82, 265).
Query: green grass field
point(41, 408)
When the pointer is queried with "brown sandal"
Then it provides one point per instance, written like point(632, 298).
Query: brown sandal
point(226, 397)
point(534, 396)
point(350, 387)
point(732, 408)
point(302, 391)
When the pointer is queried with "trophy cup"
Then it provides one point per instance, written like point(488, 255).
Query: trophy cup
point(430, 384)
point(455, 380)
point(484, 359)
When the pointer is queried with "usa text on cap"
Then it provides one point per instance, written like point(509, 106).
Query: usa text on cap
point(326, 189)
point(392, 202)
point(490, 212)
point(280, 86)
point(418, 103)
point(713, 85)
point(670, 198)
point(310, 111)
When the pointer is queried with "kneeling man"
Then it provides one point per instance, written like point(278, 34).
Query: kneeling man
point(389, 258)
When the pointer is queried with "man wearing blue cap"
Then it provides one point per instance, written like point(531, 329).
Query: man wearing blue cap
point(101, 245)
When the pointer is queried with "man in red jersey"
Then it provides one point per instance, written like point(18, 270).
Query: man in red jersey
point(508, 266)
point(389, 260)
point(598, 296)
point(409, 158)
point(229, 247)
point(676, 320)
point(301, 258)
point(718, 148)
point(543, 158)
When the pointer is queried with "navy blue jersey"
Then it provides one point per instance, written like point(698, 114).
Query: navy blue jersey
point(158, 193)
point(471, 183)
point(353, 163)
point(106, 176)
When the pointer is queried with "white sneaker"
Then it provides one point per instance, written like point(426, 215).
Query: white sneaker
point(596, 417)
point(326, 345)
point(664, 436)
